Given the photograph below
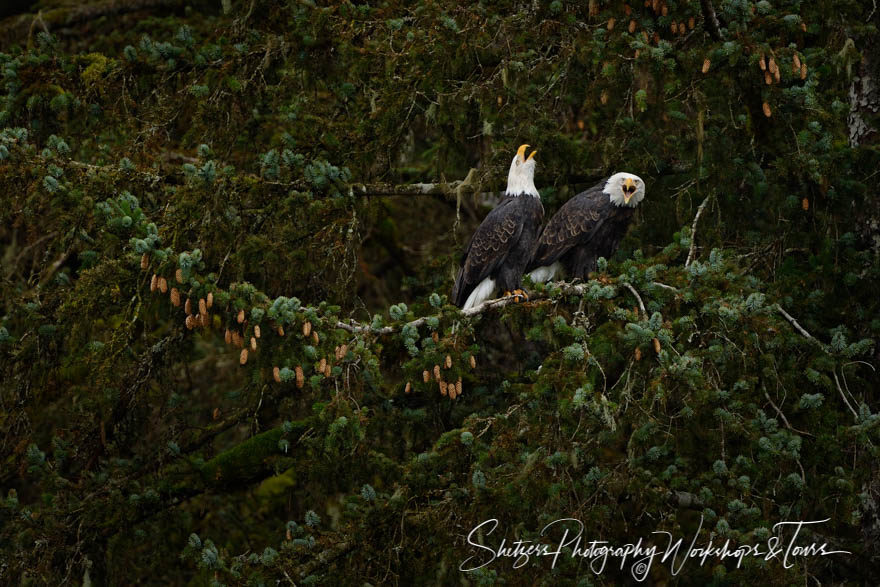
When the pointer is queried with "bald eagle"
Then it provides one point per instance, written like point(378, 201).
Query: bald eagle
point(500, 249)
point(588, 226)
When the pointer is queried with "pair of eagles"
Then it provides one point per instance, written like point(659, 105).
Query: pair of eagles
point(510, 242)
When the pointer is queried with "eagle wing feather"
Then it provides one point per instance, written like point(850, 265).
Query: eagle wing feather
point(574, 224)
point(488, 248)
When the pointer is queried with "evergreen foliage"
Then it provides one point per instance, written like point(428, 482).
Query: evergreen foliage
point(226, 346)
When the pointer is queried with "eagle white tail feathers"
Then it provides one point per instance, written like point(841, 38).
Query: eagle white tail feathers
point(481, 293)
point(545, 273)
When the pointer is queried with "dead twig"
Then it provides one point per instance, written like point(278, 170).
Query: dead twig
point(694, 232)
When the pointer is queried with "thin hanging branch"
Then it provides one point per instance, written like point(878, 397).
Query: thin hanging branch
point(694, 232)
point(637, 296)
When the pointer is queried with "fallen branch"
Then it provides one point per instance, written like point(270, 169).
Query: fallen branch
point(694, 232)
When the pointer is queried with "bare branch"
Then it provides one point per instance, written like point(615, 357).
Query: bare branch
point(694, 232)
point(638, 297)
point(797, 326)
point(843, 395)
point(781, 415)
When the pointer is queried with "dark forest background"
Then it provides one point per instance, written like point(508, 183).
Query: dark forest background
point(229, 231)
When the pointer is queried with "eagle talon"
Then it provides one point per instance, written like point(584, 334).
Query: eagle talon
point(520, 296)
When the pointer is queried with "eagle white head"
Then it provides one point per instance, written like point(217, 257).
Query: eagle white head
point(625, 189)
point(521, 177)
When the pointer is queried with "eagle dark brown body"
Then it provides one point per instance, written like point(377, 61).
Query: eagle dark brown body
point(501, 247)
point(586, 227)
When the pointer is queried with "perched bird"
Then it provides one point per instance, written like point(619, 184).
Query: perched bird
point(588, 226)
point(500, 249)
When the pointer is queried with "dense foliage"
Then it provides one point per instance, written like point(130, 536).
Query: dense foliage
point(226, 347)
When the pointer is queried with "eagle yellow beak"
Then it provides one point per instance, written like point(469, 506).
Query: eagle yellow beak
point(521, 152)
point(629, 189)
point(533, 154)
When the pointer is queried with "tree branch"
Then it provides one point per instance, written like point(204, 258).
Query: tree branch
point(694, 232)
point(797, 326)
point(638, 297)
point(358, 328)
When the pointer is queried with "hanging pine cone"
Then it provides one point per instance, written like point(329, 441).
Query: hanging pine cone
point(300, 379)
point(178, 276)
point(227, 337)
point(253, 344)
point(154, 283)
point(187, 306)
point(163, 285)
point(706, 65)
point(307, 328)
point(203, 306)
point(240, 316)
point(408, 387)
point(473, 362)
point(242, 359)
point(448, 362)
point(145, 261)
point(257, 331)
point(276, 374)
point(767, 111)
point(175, 297)
point(210, 301)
